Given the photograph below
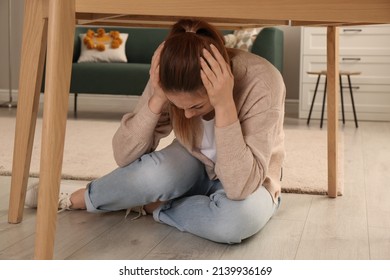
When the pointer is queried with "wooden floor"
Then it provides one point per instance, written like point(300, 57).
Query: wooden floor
point(354, 226)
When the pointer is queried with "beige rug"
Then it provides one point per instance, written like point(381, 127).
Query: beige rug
point(88, 154)
point(306, 169)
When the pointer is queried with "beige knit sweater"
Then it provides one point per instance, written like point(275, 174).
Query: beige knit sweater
point(250, 152)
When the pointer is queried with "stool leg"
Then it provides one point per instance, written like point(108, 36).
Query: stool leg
point(314, 98)
point(342, 98)
point(31, 72)
point(323, 103)
point(352, 100)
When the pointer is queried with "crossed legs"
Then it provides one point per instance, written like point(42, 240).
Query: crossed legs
point(176, 189)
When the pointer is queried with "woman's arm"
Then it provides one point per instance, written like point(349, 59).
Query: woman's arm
point(218, 80)
point(141, 131)
point(244, 151)
point(245, 143)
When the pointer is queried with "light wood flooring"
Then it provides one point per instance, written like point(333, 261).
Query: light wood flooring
point(355, 226)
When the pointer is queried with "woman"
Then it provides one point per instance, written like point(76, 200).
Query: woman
point(220, 178)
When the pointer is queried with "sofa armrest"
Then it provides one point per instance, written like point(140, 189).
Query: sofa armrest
point(269, 45)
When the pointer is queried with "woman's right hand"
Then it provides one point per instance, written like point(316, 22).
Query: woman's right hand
point(158, 99)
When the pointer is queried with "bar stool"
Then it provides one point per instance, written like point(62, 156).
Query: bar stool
point(341, 73)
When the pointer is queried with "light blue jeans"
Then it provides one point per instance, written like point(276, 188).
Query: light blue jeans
point(193, 202)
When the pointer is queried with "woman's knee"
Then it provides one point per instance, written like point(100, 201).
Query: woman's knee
point(172, 159)
point(239, 220)
point(169, 170)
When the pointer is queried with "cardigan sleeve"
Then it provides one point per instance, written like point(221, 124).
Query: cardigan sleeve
point(244, 148)
point(140, 131)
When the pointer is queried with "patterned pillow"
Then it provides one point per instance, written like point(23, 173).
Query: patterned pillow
point(246, 37)
point(230, 40)
point(109, 54)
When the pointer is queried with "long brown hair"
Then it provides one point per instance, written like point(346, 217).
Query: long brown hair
point(180, 68)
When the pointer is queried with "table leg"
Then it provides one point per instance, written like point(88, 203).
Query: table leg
point(332, 86)
point(31, 71)
point(61, 25)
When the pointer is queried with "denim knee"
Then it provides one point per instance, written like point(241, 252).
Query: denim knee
point(218, 218)
point(238, 220)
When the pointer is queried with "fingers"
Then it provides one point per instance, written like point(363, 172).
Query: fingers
point(213, 65)
point(155, 66)
point(206, 70)
point(206, 82)
point(156, 59)
point(214, 68)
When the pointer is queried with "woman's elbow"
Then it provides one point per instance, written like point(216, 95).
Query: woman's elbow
point(236, 195)
point(120, 162)
point(120, 159)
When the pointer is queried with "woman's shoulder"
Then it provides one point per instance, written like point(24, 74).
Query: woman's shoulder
point(256, 79)
point(248, 59)
point(248, 67)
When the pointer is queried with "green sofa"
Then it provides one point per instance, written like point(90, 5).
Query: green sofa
point(130, 78)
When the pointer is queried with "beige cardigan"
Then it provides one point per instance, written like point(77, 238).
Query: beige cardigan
point(250, 152)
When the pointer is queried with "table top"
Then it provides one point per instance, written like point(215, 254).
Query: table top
point(233, 13)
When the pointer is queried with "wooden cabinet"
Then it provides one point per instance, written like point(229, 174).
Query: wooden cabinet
point(364, 49)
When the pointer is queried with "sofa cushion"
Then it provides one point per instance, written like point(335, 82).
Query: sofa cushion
point(143, 42)
point(109, 78)
point(269, 44)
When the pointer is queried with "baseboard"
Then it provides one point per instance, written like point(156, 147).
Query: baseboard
point(87, 102)
point(121, 102)
point(5, 97)
point(94, 102)
point(292, 108)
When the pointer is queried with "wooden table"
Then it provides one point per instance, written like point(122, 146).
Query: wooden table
point(50, 24)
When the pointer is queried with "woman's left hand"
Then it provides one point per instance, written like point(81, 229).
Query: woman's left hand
point(217, 78)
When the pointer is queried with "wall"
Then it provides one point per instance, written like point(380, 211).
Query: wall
point(292, 60)
point(4, 44)
point(16, 41)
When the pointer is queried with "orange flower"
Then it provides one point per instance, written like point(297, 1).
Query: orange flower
point(90, 33)
point(100, 47)
point(88, 42)
point(114, 34)
point(115, 43)
point(101, 32)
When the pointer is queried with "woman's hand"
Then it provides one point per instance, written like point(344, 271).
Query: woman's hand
point(218, 80)
point(158, 99)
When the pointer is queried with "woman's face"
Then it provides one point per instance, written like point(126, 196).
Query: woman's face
point(194, 105)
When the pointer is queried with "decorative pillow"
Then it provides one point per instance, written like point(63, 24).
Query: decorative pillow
point(103, 47)
point(230, 40)
point(246, 37)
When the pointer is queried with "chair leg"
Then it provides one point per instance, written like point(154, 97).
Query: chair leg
point(342, 98)
point(314, 98)
point(352, 101)
point(61, 28)
point(323, 103)
point(31, 72)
